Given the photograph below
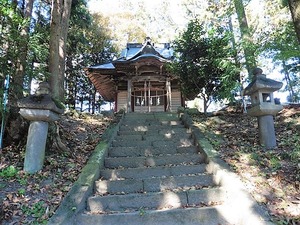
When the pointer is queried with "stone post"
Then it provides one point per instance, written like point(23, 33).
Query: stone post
point(35, 147)
point(39, 109)
point(263, 106)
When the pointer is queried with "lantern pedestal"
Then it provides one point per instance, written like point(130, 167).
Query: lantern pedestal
point(266, 131)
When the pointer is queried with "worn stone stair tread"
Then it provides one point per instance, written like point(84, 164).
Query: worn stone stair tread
point(149, 127)
point(131, 137)
point(150, 151)
point(159, 171)
point(166, 136)
point(187, 216)
point(152, 137)
point(163, 130)
point(156, 200)
point(154, 184)
point(151, 161)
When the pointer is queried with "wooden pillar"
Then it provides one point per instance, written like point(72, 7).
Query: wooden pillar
point(145, 95)
point(169, 100)
point(116, 102)
point(149, 97)
point(129, 83)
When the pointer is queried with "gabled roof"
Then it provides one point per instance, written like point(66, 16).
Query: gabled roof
point(133, 57)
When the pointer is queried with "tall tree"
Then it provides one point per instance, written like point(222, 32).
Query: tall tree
point(89, 43)
point(247, 42)
point(295, 11)
point(60, 14)
point(21, 59)
point(205, 63)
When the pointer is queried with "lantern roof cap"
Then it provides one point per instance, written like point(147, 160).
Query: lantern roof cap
point(261, 82)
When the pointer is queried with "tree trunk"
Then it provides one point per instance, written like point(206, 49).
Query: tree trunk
point(246, 36)
point(20, 61)
point(294, 6)
point(16, 125)
point(60, 15)
point(288, 81)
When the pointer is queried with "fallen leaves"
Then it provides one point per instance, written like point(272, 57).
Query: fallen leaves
point(272, 176)
point(32, 199)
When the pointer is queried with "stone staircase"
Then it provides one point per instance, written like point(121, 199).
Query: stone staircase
point(154, 174)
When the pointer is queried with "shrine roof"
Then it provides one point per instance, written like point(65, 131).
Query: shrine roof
point(103, 66)
point(133, 50)
point(102, 76)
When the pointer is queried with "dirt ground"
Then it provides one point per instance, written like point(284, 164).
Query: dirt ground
point(272, 176)
point(32, 199)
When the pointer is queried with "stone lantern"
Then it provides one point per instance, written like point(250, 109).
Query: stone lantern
point(40, 109)
point(263, 107)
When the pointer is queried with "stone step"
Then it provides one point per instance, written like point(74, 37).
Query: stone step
point(166, 122)
point(180, 142)
point(151, 161)
point(130, 143)
point(159, 171)
point(132, 132)
point(186, 216)
point(155, 142)
point(149, 151)
point(174, 130)
point(155, 200)
point(131, 137)
point(176, 138)
point(171, 123)
point(153, 136)
point(147, 127)
point(163, 131)
point(156, 184)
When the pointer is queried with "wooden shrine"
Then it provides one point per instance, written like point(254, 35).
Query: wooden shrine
point(138, 81)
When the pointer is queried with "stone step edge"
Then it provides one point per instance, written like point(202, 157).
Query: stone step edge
point(154, 156)
point(189, 216)
point(154, 184)
point(153, 161)
point(168, 171)
point(157, 200)
point(158, 176)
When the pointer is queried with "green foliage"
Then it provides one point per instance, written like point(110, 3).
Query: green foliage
point(284, 3)
point(205, 62)
point(21, 191)
point(37, 210)
point(294, 142)
point(89, 42)
point(9, 172)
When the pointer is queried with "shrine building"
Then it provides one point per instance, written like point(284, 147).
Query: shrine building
point(138, 81)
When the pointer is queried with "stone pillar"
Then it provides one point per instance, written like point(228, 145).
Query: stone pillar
point(35, 147)
point(129, 83)
point(266, 131)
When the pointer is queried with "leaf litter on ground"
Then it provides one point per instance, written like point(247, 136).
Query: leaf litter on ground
point(32, 199)
point(272, 176)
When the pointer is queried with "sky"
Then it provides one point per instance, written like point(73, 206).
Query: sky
point(174, 10)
